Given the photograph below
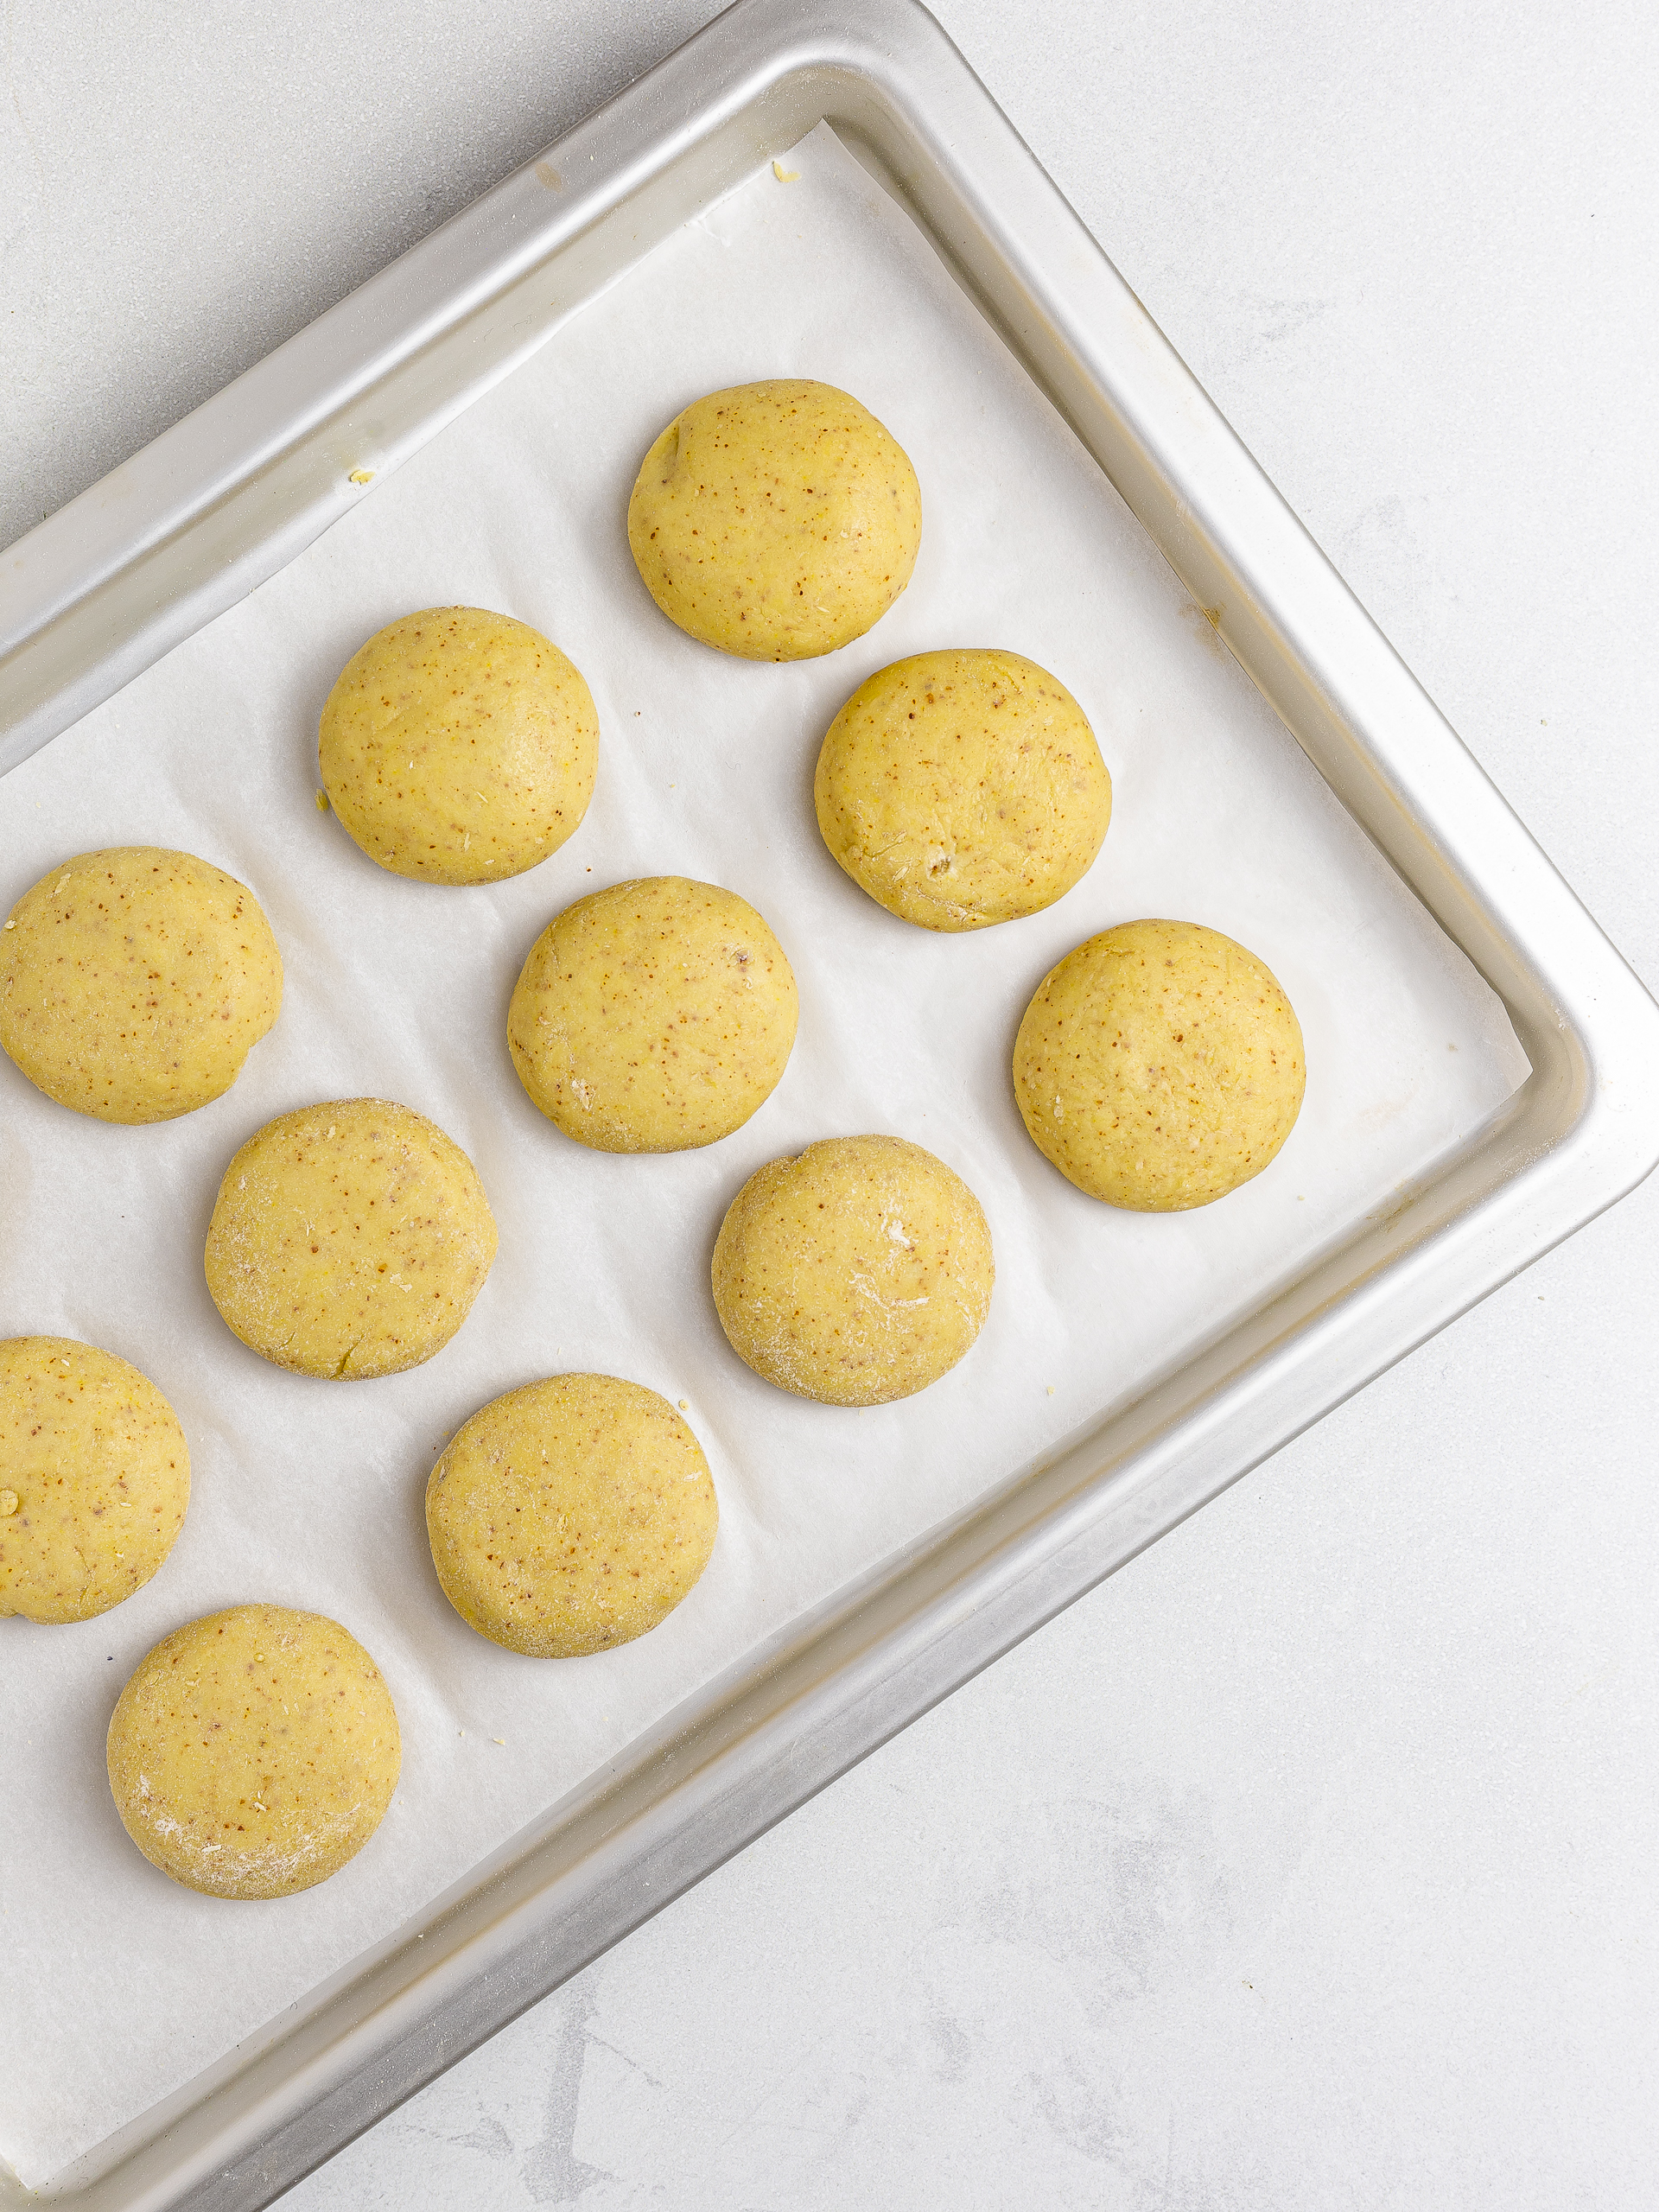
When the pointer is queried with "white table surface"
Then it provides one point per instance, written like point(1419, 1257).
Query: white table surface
point(1309, 1863)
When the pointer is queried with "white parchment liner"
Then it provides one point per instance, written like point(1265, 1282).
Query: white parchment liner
point(117, 1986)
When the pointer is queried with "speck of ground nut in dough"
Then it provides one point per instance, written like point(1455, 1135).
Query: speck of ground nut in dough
point(856, 1272)
point(135, 981)
point(1159, 1065)
point(349, 1240)
point(459, 746)
point(570, 1515)
point(653, 1016)
point(97, 1479)
point(962, 789)
point(254, 1752)
point(776, 521)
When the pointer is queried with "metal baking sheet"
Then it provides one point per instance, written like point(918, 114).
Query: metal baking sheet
point(832, 1687)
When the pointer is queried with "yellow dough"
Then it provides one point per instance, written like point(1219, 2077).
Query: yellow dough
point(856, 1273)
point(960, 789)
point(135, 982)
point(252, 1753)
point(653, 1016)
point(95, 1478)
point(459, 746)
point(775, 520)
point(570, 1515)
point(349, 1240)
point(1159, 1067)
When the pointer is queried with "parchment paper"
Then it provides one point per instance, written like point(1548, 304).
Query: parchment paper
point(117, 1986)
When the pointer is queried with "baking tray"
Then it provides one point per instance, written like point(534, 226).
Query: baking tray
point(221, 502)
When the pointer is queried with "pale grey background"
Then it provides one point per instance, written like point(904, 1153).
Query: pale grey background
point(1309, 1863)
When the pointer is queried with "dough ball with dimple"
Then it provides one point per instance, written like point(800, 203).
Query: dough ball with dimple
point(135, 982)
point(570, 1515)
point(858, 1272)
point(962, 788)
point(776, 520)
point(653, 1016)
point(349, 1240)
point(95, 1478)
point(459, 746)
point(1159, 1067)
point(252, 1753)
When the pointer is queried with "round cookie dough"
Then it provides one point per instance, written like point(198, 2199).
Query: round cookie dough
point(856, 1273)
point(777, 520)
point(962, 788)
point(95, 1478)
point(459, 746)
point(654, 1016)
point(135, 982)
point(349, 1239)
point(252, 1753)
point(1159, 1067)
point(570, 1515)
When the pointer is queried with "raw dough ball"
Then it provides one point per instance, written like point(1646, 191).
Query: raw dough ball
point(654, 1016)
point(349, 1240)
point(254, 1752)
point(1159, 1067)
point(95, 1478)
point(775, 520)
point(962, 788)
point(856, 1272)
point(570, 1515)
point(459, 746)
point(134, 982)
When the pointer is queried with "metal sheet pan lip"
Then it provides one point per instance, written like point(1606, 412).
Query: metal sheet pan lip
point(1583, 1130)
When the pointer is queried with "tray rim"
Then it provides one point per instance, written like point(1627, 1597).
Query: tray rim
point(1580, 1133)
